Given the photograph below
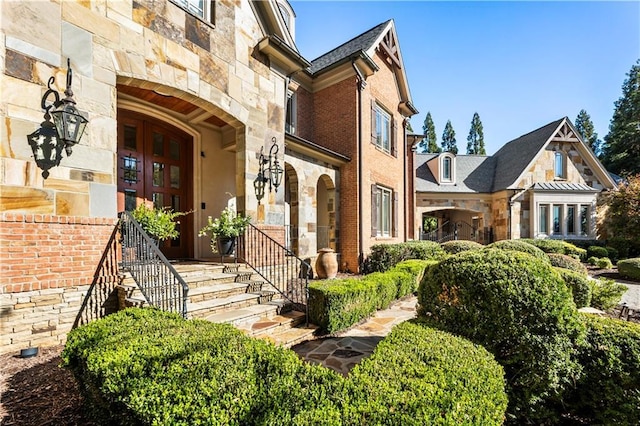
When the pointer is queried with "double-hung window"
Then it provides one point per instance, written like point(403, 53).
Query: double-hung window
point(203, 9)
point(383, 129)
point(446, 169)
point(384, 214)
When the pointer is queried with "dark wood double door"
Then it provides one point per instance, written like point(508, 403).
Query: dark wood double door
point(154, 165)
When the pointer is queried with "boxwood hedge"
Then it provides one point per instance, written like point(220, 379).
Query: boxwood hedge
point(608, 393)
point(606, 293)
point(147, 367)
point(385, 256)
point(456, 246)
point(546, 245)
point(517, 307)
point(567, 262)
point(630, 268)
point(519, 245)
point(579, 286)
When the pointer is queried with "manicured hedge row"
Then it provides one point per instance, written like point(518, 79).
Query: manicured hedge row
point(519, 309)
point(338, 304)
point(147, 367)
point(567, 262)
point(606, 293)
point(520, 245)
point(385, 256)
point(630, 268)
point(608, 392)
point(456, 246)
point(579, 286)
point(558, 246)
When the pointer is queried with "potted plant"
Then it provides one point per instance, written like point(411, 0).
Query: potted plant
point(158, 223)
point(224, 230)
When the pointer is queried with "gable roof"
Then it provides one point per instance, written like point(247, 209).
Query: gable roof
point(359, 44)
point(514, 157)
point(474, 173)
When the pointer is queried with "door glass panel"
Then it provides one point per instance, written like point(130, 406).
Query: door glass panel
point(158, 144)
point(130, 166)
point(130, 137)
point(174, 150)
point(175, 176)
point(158, 174)
point(175, 203)
point(129, 200)
point(158, 200)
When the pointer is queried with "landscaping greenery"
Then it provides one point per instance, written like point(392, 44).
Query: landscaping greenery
point(630, 268)
point(148, 367)
point(456, 246)
point(520, 245)
point(579, 285)
point(606, 293)
point(159, 224)
point(567, 262)
point(519, 309)
point(604, 263)
point(385, 256)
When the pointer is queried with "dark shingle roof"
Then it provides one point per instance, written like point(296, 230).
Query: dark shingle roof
point(513, 157)
point(474, 173)
point(361, 43)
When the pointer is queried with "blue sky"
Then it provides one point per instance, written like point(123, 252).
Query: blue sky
point(519, 64)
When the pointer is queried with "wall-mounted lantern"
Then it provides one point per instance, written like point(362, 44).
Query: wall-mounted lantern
point(66, 130)
point(270, 171)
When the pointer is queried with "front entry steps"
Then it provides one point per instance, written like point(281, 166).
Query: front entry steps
point(232, 293)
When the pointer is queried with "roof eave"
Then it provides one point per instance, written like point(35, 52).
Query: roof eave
point(303, 146)
point(282, 54)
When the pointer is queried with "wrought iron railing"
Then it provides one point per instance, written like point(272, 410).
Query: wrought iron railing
point(450, 231)
point(159, 282)
point(277, 265)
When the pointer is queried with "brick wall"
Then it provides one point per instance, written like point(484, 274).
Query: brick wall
point(55, 272)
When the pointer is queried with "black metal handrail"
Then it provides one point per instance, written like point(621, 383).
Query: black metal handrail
point(450, 231)
point(277, 265)
point(159, 282)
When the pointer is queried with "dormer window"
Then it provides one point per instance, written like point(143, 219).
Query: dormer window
point(559, 166)
point(447, 168)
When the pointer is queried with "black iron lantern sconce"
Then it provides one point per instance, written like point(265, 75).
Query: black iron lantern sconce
point(64, 132)
point(270, 171)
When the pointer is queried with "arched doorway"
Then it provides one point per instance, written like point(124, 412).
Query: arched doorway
point(291, 212)
point(326, 215)
point(154, 164)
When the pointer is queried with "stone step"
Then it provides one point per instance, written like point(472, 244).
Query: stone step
point(292, 336)
point(208, 307)
point(260, 326)
point(216, 291)
point(245, 316)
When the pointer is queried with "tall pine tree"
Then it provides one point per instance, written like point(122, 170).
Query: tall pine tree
point(621, 149)
point(430, 142)
point(475, 140)
point(449, 139)
point(584, 126)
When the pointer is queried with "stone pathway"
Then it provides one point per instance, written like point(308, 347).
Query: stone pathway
point(345, 350)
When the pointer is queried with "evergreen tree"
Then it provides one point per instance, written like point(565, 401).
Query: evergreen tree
point(584, 126)
point(449, 139)
point(475, 140)
point(430, 142)
point(621, 150)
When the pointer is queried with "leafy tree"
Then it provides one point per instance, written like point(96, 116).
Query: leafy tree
point(623, 213)
point(449, 139)
point(584, 126)
point(430, 143)
point(475, 140)
point(622, 145)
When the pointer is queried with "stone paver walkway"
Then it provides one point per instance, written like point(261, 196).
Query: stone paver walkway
point(345, 350)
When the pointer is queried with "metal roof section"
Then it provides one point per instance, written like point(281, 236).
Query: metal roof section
point(563, 186)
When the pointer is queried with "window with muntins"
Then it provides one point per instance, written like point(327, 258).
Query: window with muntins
point(384, 212)
point(557, 219)
point(383, 129)
point(202, 9)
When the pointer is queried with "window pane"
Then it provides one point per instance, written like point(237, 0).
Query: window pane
point(383, 130)
point(174, 175)
point(174, 150)
point(129, 199)
point(557, 217)
point(130, 137)
point(543, 229)
point(446, 165)
point(175, 203)
point(158, 200)
point(386, 212)
point(571, 212)
point(584, 220)
point(130, 166)
point(158, 144)
point(158, 174)
point(559, 165)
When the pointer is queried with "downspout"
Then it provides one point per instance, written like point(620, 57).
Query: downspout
point(361, 84)
point(404, 179)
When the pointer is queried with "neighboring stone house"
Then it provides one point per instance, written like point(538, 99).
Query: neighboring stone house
point(544, 184)
point(182, 96)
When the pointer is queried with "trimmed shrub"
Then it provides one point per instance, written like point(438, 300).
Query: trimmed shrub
point(578, 285)
point(574, 251)
point(608, 392)
point(517, 307)
point(593, 261)
point(612, 253)
point(422, 376)
point(597, 251)
point(519, 245)
point(456, 246)
point(630, 268)
point(546, 245)
point(385, 256)
point(335, 305)
point(604, 263)
point(147, 367)
point(606, 293)
point(567, 262)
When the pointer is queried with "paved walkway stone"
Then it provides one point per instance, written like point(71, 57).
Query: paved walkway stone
point(345, 350)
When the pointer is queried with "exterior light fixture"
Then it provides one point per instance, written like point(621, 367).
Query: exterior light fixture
point(270, 171)
point(65, 131)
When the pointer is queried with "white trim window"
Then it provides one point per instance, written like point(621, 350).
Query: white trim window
point(559, 165)
point(383, 129)
point(384, 211)
point(585, 222)
point(291, 113)
point(203, 9)
point(447, 169)
point(543, 219)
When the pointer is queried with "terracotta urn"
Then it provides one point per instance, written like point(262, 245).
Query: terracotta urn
point(326, 263)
